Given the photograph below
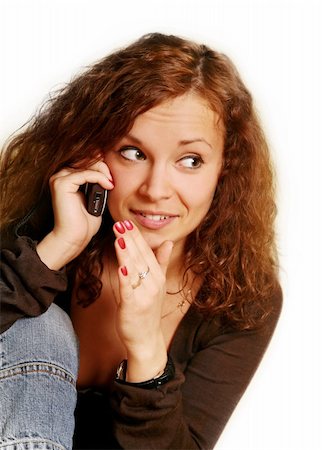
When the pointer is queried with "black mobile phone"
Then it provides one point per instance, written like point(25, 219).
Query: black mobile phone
point(96, 198)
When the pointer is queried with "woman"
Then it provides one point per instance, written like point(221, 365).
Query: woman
point(173, 292)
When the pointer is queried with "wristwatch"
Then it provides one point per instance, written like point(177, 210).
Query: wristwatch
point(153, 383)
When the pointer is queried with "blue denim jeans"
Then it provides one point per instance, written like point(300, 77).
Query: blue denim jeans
point(38, 372)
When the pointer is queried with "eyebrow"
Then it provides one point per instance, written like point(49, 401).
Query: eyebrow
point(183, 142)
point(192, 141)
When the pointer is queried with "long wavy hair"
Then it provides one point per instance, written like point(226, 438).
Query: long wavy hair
point(233, 249)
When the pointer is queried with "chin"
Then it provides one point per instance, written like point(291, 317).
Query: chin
point(154, 239)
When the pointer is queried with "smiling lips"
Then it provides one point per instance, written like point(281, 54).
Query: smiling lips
point(155, 220)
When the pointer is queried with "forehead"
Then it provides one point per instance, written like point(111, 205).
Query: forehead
point(184, 117)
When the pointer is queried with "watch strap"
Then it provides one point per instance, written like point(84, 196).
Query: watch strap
point(153, 383)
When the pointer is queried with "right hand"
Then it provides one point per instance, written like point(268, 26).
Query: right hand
point(74, 227)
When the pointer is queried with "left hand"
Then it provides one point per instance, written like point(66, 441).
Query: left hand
point(140, 304)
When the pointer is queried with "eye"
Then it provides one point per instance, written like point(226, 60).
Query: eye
point(191, 162)
point(132, 154)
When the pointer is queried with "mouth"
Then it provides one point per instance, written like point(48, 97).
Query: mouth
point(154, 220)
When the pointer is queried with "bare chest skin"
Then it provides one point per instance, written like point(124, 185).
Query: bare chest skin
point(101, 350)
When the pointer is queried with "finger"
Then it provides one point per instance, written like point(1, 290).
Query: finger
point(163, 255)
point(138, 248)
point(62, 173)
point(72, 180)
point(102, 167)
point(125, 287)
point(136, 253)
point(128, 258)
point(97, 164)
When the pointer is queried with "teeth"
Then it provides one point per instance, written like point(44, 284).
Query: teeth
point(155, 217)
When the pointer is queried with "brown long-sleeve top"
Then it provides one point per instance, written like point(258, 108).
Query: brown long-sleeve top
point(213, 367)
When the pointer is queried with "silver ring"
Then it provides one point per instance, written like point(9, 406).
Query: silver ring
point(142, 275)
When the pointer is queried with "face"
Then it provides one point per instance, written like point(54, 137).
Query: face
point(166, 169)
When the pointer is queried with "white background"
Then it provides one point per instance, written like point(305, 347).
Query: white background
point(277, 47)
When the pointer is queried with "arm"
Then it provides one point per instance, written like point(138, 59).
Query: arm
point(190, 412)
point(30, 274)
point(27, 285)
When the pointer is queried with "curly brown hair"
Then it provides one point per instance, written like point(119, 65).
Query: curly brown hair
point(234, 247)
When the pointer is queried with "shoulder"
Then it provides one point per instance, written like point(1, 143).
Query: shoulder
point(276, 302)
point(208, 331)
point(273, 307)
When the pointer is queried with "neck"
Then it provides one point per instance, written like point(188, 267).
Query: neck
point(176, 269)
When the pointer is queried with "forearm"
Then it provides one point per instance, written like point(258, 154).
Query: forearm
point(55, 253)
point(151, 419)
point(213, 369)
point(28, 286)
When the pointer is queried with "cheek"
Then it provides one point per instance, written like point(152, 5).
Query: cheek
point(201, 196)
point(115, 197)
point(203, 207)
point(118, 196)
point(124, 177)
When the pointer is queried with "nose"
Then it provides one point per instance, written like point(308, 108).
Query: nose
point(157, 184)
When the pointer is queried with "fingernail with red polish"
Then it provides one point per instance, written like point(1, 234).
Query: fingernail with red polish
point(121, 243)
point(128, 224)
point(120, 227)
point(124, 270)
